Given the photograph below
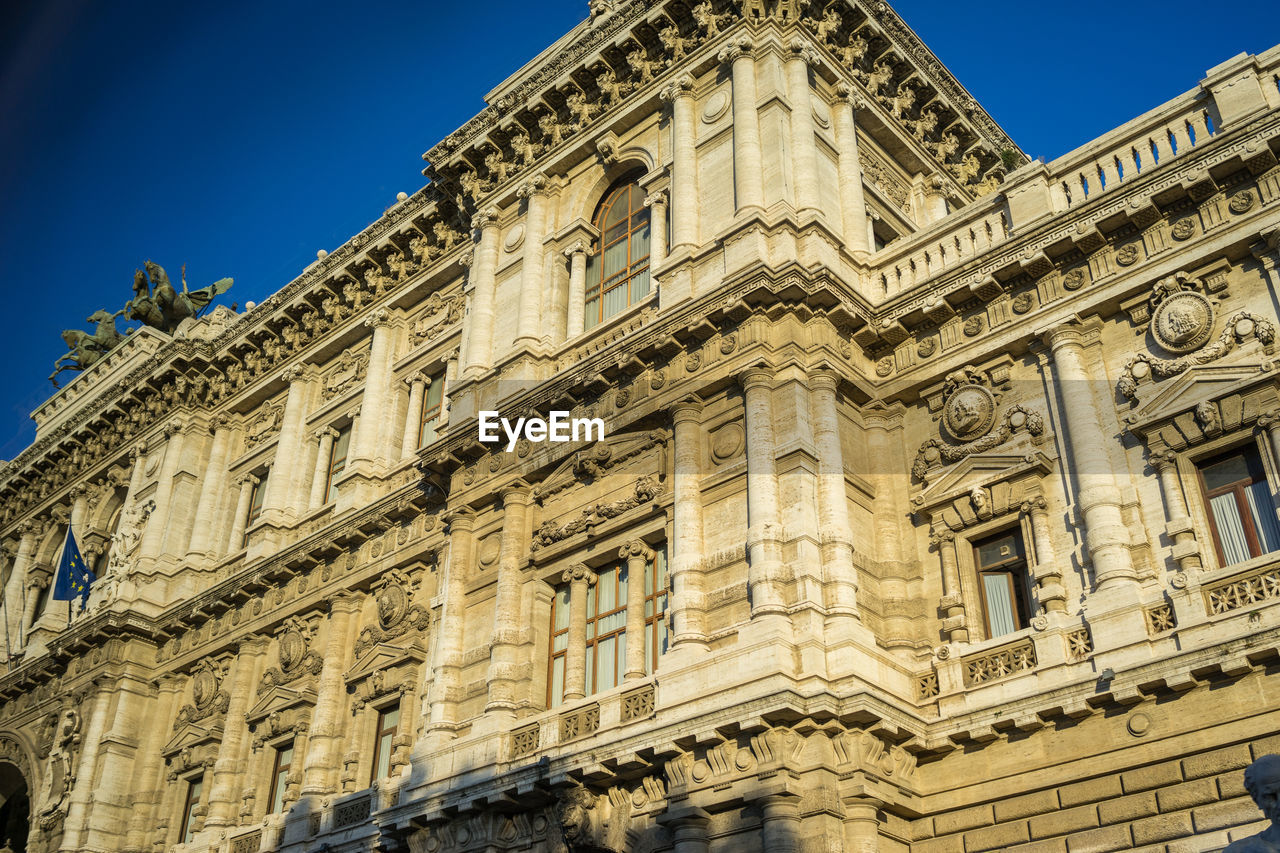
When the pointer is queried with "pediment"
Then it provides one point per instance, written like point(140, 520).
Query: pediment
point(982, 471)
point(383, 656)
point(281, 697)
point(193, 735)
point(1190, 388)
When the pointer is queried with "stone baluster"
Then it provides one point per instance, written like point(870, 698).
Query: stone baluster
point(657, 204)
point(505, 673)
point(324, 747)
point(763, 514)
point(684, 165)
point(954, 622)
point(833, 499)
point(484, 268)
point(229, 769)
point(853, 204)
point(320, 477)
point(413, 418)
point(638, 556)
point(212, 486)
point(245, 483)
point(445, 685)
point(579, 578)
point(577, 255)
point(86, 781)
point(1048, 574)
point(780, 823)
point(1106, 536)
point(278, 504)
point(804, 148)
point(154, 536)
point(371, 446)
point(1179, 528)
point(748, 164)
point(532, 271)
point(688, 608)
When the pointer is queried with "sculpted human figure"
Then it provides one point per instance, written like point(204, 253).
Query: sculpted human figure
point(1262, 781)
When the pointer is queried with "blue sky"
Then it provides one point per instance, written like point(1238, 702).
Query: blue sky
point(238, 138)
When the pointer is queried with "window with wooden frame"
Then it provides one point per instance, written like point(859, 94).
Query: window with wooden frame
point(256, 497)
point(281, 764)
point(618, 271)
point(432, 396)
point(1001, 564)
point(337, 462)
point(606, 626)
point(388, 726)
point(195, 787)
point(1242, 514)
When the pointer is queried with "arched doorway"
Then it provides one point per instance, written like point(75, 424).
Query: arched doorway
point(15, 809)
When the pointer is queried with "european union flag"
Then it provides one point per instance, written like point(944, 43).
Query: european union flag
point(74, 575)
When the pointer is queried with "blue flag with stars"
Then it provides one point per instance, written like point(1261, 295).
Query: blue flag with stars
point(74, 575)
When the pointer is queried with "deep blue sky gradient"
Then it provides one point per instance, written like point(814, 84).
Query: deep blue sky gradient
point(238, 138)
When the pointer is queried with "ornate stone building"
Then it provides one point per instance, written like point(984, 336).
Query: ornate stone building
point(935, 508)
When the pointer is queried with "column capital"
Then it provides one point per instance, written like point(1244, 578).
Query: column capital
point(459, 520)
point(739, 48)
point(1073, 331)
point(247, 478)
point(579, 573)
point(1034, 506)
point(345, 602)
point(681, 87)
point(38, 577)
point(637, 549)
point(1162, 459)
point(577, 247)
point(658, 197)
point(378, 318)
point(938, 537)
point(293, 373)
point(418, 378)
point(823, 377)
point(327, 430)
point(515, 492)
point(536, 185)
point(1270, 419)
point(467, 258)
point(805, 52)
point(756, 376)
point(486, 218)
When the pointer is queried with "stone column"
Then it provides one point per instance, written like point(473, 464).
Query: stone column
point(1185, 549)
point(278, 503)
point(79, 509)
point(833, 498)
point(638, 555)
point(804, 150)
point(35, 580)
point(148, 781)
point(954, 622)
point(95, 724)
point(485, 266)
point(1106, 536)
point(657, 204)
point(445, 687)
point(780, 823)
point(861, 825)
point(1270, 421)
point(505, 673)
point(872, 218)
point(371, 444)
point(763, 543)
point(577, 255)
point(212, 486)
point(413, 419)
point(320, 477)
point(324, 747)
point(684, 165)
point(153, 537)
point(529, 320)
point(689, 830)
point(246, 484)
point(686, 603)
point(748, 164)
point(579, 578)
point(1047, 573)
point(228, 770)
point(935, 198)
point(16, 606)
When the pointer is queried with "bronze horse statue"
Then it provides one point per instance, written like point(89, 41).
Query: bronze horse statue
point(88, 349)
point(160, 305)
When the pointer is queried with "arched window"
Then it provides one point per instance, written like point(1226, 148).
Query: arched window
point(618, 271)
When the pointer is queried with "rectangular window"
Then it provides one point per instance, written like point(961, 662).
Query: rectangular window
point(606, 638)
point(1241, 512)
point(255, 504)
point(1002, 573)
point(337, 462)
point(194, 788)
point(388, 725)
point(279, 777)
point(431, 399)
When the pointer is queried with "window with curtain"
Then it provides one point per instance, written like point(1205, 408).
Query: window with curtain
point(388, 725)
point(337, 462)
point(618, 271)
point(1002, 578)
point(607, 625)
point(432, 396)
point(279, 777)
point(1241, 511)
point(195, 786)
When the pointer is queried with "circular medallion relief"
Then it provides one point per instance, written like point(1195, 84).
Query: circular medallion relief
point(1183, 322)
point(969, 412)
point(727, 442)
point(821, 114)
point(717, 105)
point(514, 238)
point(204, 687)
point(292, 648)
point(489, 551)
point(393, 603)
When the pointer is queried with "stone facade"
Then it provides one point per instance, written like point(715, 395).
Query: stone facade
point(924, 453)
